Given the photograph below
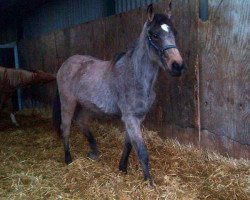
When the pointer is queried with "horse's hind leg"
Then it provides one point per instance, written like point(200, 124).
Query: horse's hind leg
point(92, 143)
point(82, 122)
point(125, 154)
point(67, 113)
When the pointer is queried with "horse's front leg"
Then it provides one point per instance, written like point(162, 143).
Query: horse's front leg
point(13, 119)
point(133, 129)
point(8, 101)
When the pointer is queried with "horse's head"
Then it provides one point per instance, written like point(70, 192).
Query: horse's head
point(160, 34)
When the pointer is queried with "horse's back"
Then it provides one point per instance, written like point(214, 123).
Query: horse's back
point(88, 80)
point(73, 64)
point(74, 67)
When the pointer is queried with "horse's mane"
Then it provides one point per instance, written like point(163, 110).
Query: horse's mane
point(130, 51)
point(116, 58)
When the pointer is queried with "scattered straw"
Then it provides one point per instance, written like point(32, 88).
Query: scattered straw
point(32, 167)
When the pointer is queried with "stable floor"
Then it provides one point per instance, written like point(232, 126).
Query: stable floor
point(32, 166)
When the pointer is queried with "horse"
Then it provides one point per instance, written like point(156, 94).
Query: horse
point(11, 79)
point(124, 88)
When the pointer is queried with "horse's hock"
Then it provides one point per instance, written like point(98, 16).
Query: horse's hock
point(209, 106)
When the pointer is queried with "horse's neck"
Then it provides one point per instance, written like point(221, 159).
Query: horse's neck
point(144, 70)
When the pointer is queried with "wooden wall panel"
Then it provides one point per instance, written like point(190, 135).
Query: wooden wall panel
point(225, 77)
point(174, 110)
point(222, 46)
point(39, 54)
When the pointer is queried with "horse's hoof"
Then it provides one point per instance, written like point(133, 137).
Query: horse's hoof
point(150, 183)
point(123, 169)
point(92, 155)
point(68, 158)
point(68, 161)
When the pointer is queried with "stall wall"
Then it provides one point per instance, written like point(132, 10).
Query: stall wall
point(194, 108)
point(225, 77)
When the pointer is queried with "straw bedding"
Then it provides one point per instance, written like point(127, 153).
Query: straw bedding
point(32, 167)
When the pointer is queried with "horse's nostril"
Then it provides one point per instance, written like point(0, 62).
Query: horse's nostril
point(176, 69)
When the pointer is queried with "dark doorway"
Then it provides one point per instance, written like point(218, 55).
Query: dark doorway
point(7, 59)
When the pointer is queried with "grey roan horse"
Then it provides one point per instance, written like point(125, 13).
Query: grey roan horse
point(123, 87)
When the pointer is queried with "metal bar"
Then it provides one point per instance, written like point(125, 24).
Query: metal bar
point(17, 66)
point(203, 10)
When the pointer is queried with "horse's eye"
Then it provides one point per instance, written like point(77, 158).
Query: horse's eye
point(154, 35)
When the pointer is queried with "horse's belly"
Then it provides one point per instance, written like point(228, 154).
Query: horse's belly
point(88, 82)
point(99, 100)
point(101, 109)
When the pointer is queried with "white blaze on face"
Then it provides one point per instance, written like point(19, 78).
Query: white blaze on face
point(165, 27)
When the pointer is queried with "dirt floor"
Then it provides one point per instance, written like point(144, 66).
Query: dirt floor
point(32, 167)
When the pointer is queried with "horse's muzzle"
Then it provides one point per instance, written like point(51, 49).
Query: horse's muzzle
point(177, 69)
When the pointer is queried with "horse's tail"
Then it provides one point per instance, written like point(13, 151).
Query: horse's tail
point(57, 113)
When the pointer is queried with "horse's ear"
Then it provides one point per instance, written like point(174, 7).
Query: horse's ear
point(150, 12)
point(169, 11)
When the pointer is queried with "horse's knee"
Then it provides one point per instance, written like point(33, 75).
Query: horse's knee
point(65, 127)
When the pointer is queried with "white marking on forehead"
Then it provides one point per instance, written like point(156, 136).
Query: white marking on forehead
point(165, 27)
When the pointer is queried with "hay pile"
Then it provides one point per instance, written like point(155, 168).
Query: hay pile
point(32, 167)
